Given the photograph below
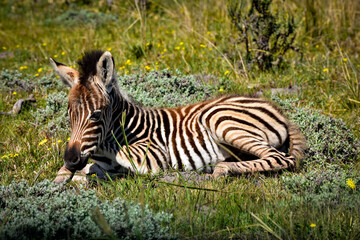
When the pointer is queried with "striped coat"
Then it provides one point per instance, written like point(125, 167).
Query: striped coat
point(208, 136)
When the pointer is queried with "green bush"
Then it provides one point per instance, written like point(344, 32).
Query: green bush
point(48, 211)
point(163, 89)
point(13, 80)
point(55, 112)
point(266, 36)
point(328, 138)
point(330, 143)
point(83, 17)
point(326, 186)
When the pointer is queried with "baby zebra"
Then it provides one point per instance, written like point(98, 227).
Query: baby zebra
point(203, 136)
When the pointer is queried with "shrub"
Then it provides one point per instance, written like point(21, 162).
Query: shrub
point(13, 80)
point(163, 89)
point(267, 36)
point(330, 143)
point(328, 138)
point(48, 211)
point(328, 186)
point(83, 17)
point(55, 112)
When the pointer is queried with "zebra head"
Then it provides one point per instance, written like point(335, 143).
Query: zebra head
point(89, 106)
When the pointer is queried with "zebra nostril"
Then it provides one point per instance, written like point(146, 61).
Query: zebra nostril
point(72, 157)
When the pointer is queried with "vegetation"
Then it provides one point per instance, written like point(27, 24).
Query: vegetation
point(27, 213)
point(177, 52)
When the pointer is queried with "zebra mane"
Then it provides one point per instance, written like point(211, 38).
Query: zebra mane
point(88, 63)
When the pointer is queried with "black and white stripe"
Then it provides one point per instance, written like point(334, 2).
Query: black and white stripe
point(187, 138)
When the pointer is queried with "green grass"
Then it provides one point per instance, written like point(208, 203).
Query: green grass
point(200, 42)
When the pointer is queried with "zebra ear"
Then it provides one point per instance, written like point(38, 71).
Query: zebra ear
point(69, 76)
point(105, 68)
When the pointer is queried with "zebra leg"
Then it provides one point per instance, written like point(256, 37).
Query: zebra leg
point(270, 159)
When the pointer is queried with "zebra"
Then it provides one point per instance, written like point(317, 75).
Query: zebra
point(121, 135)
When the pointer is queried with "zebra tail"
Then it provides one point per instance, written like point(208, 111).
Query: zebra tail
point(297, 142)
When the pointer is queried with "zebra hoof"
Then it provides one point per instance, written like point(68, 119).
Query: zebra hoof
point(221, 170)
point(63, 176)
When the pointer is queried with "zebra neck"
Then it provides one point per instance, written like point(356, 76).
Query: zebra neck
point(126, 116)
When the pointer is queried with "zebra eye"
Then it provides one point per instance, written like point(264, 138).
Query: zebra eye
point(95, 116)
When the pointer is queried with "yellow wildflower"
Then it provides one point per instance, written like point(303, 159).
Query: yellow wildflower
point(313, 225)
point(325, 70)
point(44, 44)
point(55, 56)
point(68, 139)
point(126, 72)
point(181, 43)
point(109, 49)
point(208, 33)
point(177, 48)
point(345, 59)
point(306, 44)
point(203, 45)
point(158, 45)
point(164, 50)
point(128, 62)
point(122, 67)
point(250, 49)
point(4, 156)
point(4, 48)
point(16, 154)
point(221, 90)
point(147, 44)
point(317, 46)
point(59, 141)
point(350, 183)
point(173, 32)
point(36, 74)
point(93, 175)
point(226, 72)
point(210, 49)
point(17, 46)
point(63, 53)
point(43, 142)
point(147, 68)
point(40, 70)
point(14, 93)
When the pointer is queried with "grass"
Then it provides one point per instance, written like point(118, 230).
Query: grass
point(192, 38)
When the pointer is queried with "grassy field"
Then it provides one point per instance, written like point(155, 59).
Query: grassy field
point(198, 42)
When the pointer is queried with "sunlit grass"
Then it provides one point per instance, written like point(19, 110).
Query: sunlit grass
point(195, 37)
point(192, 37)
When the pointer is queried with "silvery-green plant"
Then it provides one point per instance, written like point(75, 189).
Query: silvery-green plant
point(49, 211)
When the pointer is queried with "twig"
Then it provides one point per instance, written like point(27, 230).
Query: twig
point(19, 105)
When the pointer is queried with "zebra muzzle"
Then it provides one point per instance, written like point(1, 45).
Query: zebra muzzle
point(73, 159)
